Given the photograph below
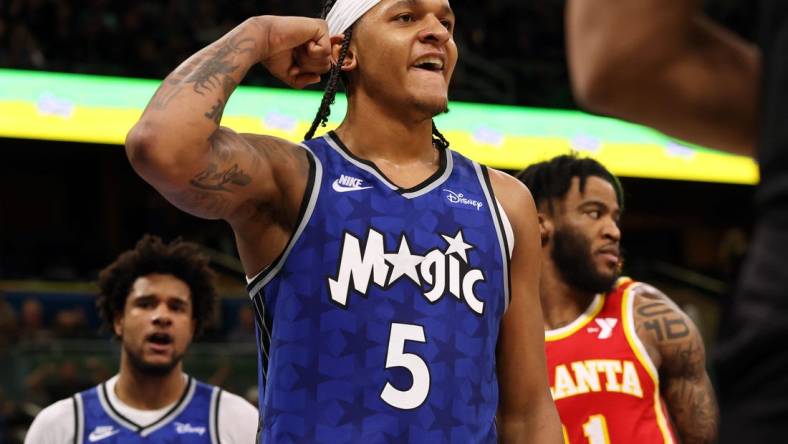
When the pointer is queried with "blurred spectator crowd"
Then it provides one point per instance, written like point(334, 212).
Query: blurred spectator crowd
point(148, 38)
point(512, 51)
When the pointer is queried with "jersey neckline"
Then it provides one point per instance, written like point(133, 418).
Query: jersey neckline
point(171, 413)
point(568, 330)
point(439, 176)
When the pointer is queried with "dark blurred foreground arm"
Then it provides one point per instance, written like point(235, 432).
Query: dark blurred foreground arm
point(666, 65)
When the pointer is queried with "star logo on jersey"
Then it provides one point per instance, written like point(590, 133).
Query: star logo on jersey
point(605, 327)
point(346, 184)
point(102, 432)
point(439, 272)
point(404, 263)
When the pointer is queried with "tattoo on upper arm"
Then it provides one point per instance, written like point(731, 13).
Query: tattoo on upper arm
point(213, 72)
point(215, 179)
point(654, 309)
point(165, 94)
point(225, 169)
point(686, 361)
point(689, 394)
point(206, 73)
point(210, 203)
point(216, 112)
point(682, 367)
point(663, 321)
point(655, 327)
point(676, 328)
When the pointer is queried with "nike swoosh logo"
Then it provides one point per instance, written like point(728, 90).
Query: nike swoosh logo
point(344, 189)
point(93, 437)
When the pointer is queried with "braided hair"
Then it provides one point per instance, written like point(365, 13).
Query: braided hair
point(335, 75)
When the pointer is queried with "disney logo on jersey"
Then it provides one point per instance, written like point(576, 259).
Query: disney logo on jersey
point(460, 201)
point(102, 432)
point(440, 271)
point(346, 184)
point(182, 428)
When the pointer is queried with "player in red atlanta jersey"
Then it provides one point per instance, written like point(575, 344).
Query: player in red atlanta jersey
point(626, 365)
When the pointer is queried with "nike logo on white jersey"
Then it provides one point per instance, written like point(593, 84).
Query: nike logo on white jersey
point(102, 432)
point(606, 326)
point(348, 183)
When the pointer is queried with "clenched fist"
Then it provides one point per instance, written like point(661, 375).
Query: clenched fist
point(297, 49)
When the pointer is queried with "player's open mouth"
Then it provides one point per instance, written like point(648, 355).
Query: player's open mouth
point(160, 339)
point(430, 63)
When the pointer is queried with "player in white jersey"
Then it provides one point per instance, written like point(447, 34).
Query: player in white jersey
point(155, 298)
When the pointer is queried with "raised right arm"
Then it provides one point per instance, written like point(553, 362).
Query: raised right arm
point(211, 171)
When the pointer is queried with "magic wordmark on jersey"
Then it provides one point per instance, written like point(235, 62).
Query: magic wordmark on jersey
point(434, 271)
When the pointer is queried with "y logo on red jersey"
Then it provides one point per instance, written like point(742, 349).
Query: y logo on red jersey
point(606, 326)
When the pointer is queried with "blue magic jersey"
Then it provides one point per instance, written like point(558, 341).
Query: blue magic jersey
point(192, 420)
point(379, 322)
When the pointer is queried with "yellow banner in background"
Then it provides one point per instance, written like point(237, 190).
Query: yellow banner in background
point(93, 109)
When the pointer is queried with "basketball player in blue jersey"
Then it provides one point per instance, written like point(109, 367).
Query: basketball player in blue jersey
point(155, 297)
point(395, 281)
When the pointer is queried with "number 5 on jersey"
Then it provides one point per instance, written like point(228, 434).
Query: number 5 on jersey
point(396, 357)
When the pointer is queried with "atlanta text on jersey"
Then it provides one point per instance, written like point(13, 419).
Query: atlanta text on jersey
point(582, 377)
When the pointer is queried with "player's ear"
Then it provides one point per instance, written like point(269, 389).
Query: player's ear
point(117, 324)
point(545, 228)
point(350, 62)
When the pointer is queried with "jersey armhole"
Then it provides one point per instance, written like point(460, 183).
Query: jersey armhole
point(483, 175)
point(507, 227)
point(308, 203)
point(628, 318)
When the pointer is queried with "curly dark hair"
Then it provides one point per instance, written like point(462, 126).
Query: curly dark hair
point(183, 260)
point(550, 180)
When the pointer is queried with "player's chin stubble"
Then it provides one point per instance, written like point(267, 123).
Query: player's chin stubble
point(150, 369)
point(571, 252)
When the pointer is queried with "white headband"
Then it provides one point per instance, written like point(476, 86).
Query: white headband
point(345, 13)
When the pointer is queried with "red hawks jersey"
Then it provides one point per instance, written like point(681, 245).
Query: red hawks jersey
point(602, 379)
